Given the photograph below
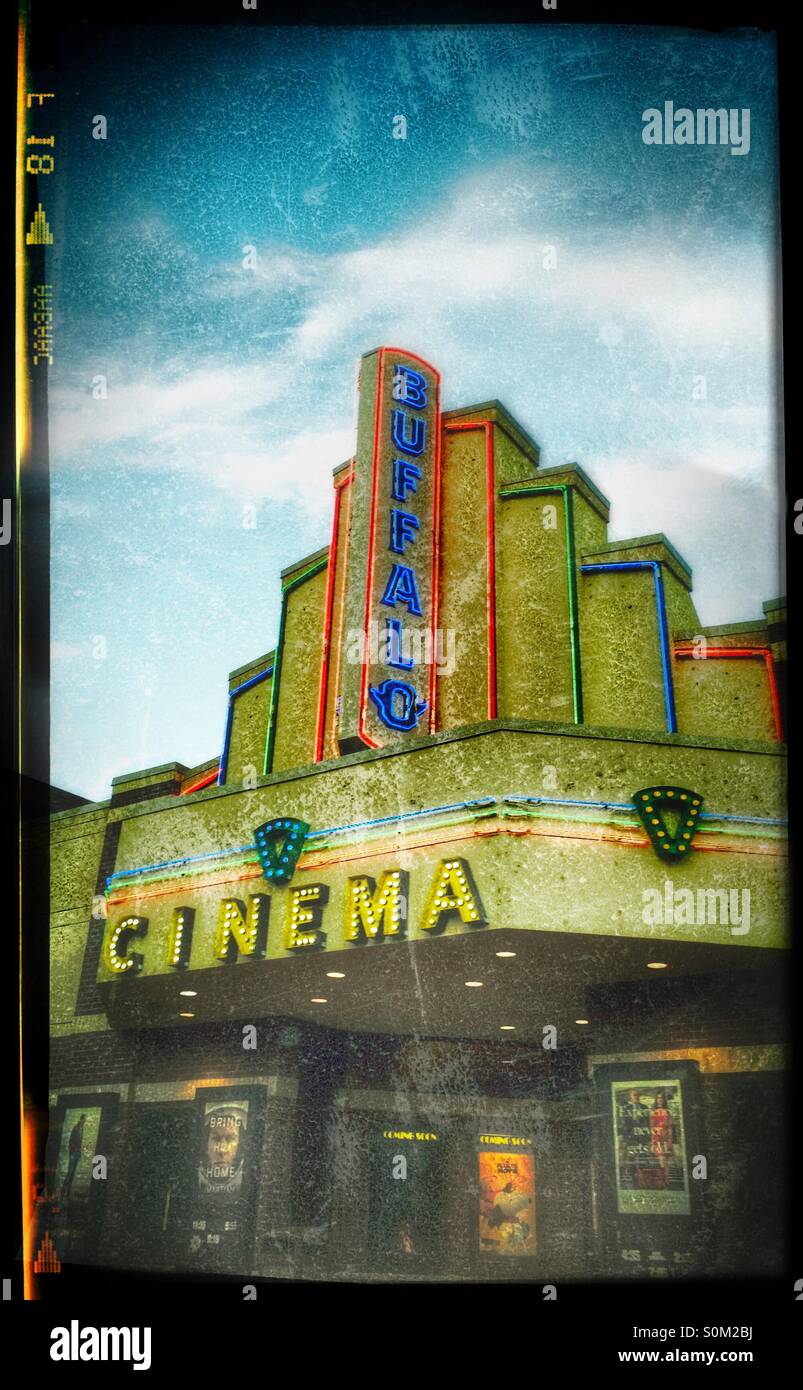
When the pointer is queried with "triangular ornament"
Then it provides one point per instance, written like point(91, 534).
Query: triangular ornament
point(279, 843)
point(653, 804)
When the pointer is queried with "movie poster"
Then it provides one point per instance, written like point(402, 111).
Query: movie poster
point(77, 1148)
point(507, 1202)
point(224, 1149)
point(650, 1148)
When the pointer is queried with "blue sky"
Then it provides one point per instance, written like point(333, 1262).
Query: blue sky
point(231, 391)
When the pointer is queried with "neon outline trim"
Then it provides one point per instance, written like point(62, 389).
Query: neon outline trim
point(761, 653)
point(624, 840)
point(663, 634)
point(567, 493)
point(339, 645)
point(481, 803)
point(490, 548)
point(287, 588)
point(434, 578)
point(339, 484)
point(204, 782)
point(224, 760)
point(628, 806)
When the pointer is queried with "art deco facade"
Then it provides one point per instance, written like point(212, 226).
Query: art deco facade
point(464, 957)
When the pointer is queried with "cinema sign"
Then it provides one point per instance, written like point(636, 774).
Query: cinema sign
point(290, 893)
point(394, 552)
point(156, 929)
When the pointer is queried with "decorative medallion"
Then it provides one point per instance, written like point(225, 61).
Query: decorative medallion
point(670, 841)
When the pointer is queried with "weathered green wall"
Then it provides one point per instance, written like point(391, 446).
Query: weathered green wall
point(619, 633)
point(729, 696)
point(462, 696)
point(76, 841)
point(344, 487)
point(249, 722)
point(299, 679)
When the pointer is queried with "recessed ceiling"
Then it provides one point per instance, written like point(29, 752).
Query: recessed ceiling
point(419, 987)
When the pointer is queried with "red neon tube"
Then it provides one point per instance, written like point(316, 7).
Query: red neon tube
point(758, 653)
point(490, 542)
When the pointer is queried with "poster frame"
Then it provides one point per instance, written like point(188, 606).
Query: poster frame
point(639, 1237)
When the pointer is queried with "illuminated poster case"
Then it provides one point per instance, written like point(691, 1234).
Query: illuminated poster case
point(224, 1180)
point(648, 1201)
point(506, 1217)
point(80, 1148)
point(77, 1148)
point(650, 1148)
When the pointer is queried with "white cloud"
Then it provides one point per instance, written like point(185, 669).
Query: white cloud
point(708, 515)
point(485, 249)
point(140, 408)
point(300, 470)
point(605, 344)
point(277, 270)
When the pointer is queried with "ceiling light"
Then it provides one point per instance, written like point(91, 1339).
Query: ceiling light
point(505, 955)
point(581, 1020)
point(188, 992)
point(318, 1001)
point(657, 965)
point(186, 1015)
point(507, 1027)
point(473, 984)
point(335, 975)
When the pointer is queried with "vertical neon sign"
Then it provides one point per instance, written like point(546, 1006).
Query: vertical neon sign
point(389, 690)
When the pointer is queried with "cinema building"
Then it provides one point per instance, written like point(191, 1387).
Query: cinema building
point(464, 957)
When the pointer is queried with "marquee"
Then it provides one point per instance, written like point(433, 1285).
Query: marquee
point(447, 870)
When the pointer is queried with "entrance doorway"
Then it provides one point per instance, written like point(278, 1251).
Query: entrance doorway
point(406, 1211)
point(160, 1184)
